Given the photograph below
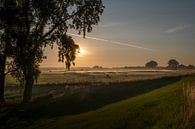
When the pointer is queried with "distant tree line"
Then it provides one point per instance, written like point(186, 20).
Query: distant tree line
point(28, 26)
point(97, 67)
point(172, 64)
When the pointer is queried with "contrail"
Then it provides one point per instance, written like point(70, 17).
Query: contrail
point(113, 42)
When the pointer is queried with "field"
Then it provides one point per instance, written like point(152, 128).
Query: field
point(59, 76)
point(114, 99)
point(58, 81)
point(159, 109)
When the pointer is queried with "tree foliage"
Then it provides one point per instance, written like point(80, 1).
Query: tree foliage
point(151, 64)
point(8, 20)
point(35, 24)
point(67, 50)
point(173, 64)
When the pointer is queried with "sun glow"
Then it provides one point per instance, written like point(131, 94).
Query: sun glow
point(82, 51)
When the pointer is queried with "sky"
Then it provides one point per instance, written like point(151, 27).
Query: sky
point(133, 32)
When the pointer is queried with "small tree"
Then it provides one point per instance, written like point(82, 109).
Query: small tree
point(173, 64)
point(182, 66)
point(151, 64)
point(97, 67)
point(191, 67)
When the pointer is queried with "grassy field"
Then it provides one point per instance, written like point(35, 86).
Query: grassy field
point(142, 106)
point(56, 81)
point(95, 76)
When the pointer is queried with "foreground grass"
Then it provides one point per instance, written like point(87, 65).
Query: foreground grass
point(60, 101)
point(159, 109)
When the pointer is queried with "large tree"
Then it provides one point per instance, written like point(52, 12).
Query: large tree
point(8, 20)
point(44, 22)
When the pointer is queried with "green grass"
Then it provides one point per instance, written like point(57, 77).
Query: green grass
point(60, 101)
point(158, 109)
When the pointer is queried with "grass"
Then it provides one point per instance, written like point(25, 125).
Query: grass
point(95, 77)
point(77, 100)
point(159, 109)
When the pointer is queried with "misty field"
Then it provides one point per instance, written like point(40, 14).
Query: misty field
point(109, 99)
point(59, 76)
point(57, 81)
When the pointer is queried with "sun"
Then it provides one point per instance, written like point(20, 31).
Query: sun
point(82, 51)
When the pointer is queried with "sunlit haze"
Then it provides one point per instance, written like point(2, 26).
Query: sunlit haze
point(132, 32)
point(82, 52)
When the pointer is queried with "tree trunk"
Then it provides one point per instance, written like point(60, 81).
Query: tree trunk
point(2, 78)
point(29, 82)
point(2, 87)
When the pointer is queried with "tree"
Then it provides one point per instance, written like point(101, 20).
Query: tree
point(45, 22)
point(97, 67)
point(190, 66)
point(182, 66)
point(173, 64)
point(7, 42)
point(67, 50)
point(151, 64)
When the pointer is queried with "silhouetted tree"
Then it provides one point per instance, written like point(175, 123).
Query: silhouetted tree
point(181, 66)
point(151, 64)
point(45, 22)
point(7, 42)
point(191, 67)
point(97, 67)
point(173, 64)
point(67, 50)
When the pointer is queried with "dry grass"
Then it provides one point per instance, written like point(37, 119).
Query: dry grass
point(99, 77)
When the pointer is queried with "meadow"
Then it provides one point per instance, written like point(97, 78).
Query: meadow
point(55, 81)
point(100, 100)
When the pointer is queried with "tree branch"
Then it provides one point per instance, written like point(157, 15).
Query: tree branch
point(14, 70)
point(56, 25)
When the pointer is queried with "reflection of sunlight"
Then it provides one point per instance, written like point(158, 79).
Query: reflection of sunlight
point(82, 51)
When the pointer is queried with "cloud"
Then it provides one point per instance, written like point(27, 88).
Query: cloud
point(177, 28)
point(114, 42)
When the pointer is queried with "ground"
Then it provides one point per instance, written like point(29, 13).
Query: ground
point(192, 99)
point(155, 101)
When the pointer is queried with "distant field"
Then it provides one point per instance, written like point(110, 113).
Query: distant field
point(144, 107)
point(60, 76)
point(58, 80)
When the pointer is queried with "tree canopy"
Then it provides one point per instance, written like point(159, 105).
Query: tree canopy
point(31, 25)
point(151, 64)
point(173, 64)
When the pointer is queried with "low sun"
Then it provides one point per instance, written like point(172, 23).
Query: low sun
point(82, 51)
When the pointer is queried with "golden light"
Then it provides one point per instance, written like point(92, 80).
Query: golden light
point(82, 51)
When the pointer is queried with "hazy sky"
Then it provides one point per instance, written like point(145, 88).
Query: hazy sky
point(132, 32)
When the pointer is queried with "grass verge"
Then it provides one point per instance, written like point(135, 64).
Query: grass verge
point(158, 109)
